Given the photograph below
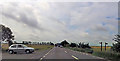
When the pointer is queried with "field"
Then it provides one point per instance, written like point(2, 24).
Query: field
point(98, 48)
point(36, 47)
point(5, 46)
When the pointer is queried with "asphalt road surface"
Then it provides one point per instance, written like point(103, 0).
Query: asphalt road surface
point(55, 54)
point(62, 54)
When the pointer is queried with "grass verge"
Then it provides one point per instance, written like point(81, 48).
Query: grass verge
point(108, 54)
point(113, 56)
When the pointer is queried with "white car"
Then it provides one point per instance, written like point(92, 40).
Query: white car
point(15, 48)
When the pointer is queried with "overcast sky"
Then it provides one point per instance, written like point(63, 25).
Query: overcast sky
point(74, 21)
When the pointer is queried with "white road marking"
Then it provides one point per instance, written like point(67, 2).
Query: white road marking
point(86, 54)
point(65, 51)
point(43, 56)
point(99, 57)
point(75, 57)
point(41, 59)
point(47, 53)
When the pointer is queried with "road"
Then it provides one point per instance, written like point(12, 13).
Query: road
point(55, 54)
point(62, 54)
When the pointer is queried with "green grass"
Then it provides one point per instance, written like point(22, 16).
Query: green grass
point(108, 54)
point(113, 56)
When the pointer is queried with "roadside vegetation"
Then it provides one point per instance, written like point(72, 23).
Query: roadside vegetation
point(41, 47)
point(111, 53)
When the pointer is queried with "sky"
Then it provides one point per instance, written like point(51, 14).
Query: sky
point(89, 22)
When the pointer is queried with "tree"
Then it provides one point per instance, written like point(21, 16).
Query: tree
point(29, 42)
point(116, 46)
point(6, 34)
point(117, 38)
point(83, 45)
point(51, 43)
point(64, 43)
point(15, 42)
point(73, 45)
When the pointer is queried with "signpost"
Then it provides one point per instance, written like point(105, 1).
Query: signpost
point(105, 45)
point(101, 45)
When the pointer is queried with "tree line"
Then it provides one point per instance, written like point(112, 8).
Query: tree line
point(79, 45)
point(37, 43)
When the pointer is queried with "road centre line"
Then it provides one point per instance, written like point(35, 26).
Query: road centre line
point(43, 56)
point(41, 59)
point(46, 54)
point(65, 51)
point(75, 57)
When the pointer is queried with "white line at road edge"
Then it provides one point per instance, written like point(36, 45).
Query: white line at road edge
point(75, 57)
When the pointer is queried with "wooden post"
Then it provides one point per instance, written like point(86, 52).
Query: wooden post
point(101, 45)
point(105, 45)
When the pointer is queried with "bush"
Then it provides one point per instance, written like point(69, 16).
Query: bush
point(73, 45)
point(83, 45)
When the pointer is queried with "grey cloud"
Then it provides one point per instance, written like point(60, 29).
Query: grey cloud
point(100, 28)
point(53, 19)
point(25, 16)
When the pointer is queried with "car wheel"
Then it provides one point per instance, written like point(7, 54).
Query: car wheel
point(27, 51)
point(11, 52)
